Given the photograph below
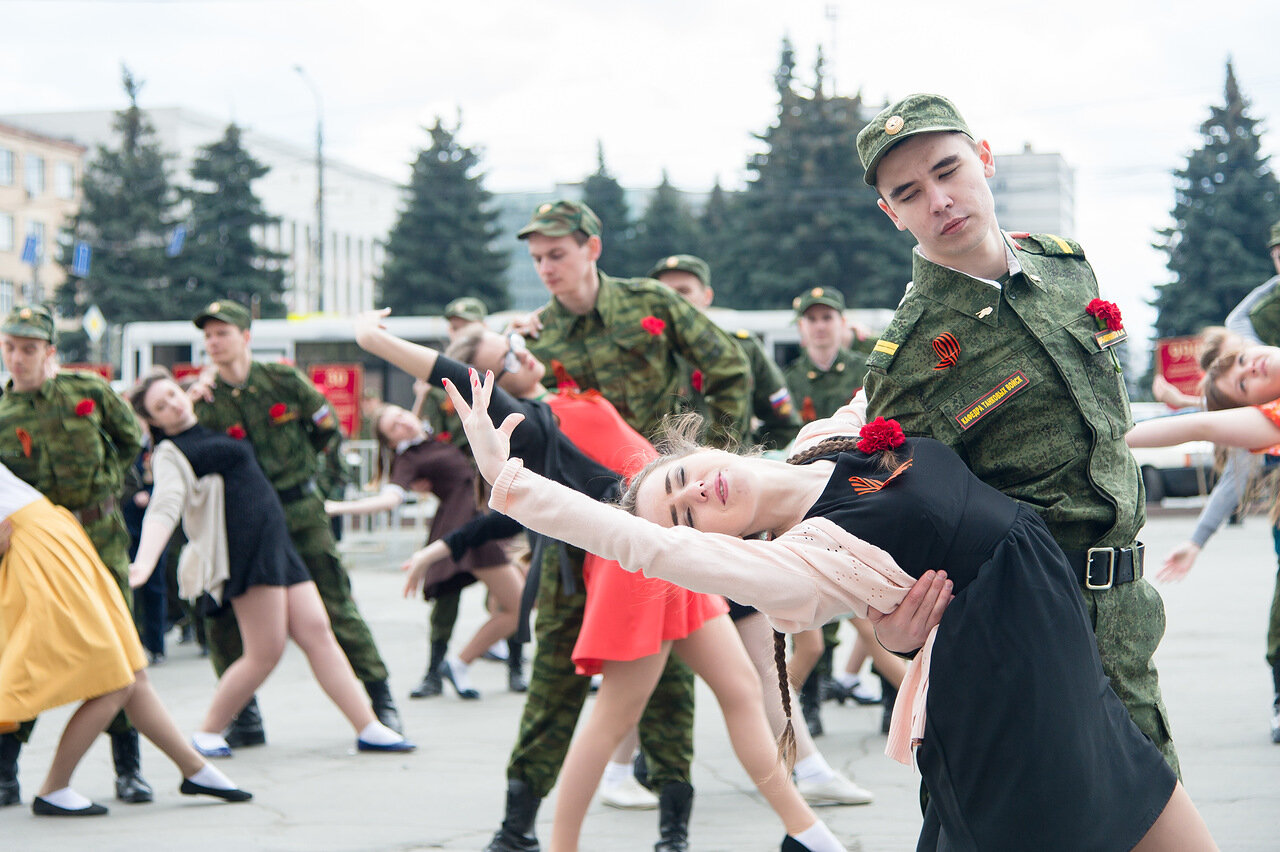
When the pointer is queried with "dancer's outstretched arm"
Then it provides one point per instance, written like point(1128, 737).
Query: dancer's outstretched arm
point(1234, 427)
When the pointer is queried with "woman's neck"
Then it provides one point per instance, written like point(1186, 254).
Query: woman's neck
point(186, 424)
point(788, 491)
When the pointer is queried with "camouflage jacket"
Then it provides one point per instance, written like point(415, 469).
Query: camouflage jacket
point(817, 393)
point(438, 411)
point(73, 439)
point(1016, 381)
point(1265, 314)
point(282, 414)
point(627, 347)
point(774, 421)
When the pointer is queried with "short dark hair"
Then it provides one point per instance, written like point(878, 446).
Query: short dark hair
point(138, 393)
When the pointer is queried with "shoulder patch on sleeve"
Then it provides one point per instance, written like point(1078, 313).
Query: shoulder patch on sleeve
point(742, 334)
point(1051, 244)
point(899, 329)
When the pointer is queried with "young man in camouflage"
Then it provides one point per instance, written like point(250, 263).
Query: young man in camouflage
point(826, 375)
point(622, 338)
point(775, 422)
point(71, 437)
point(289, 423)
point(994, 352)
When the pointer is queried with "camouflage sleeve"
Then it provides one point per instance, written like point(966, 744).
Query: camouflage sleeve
point(318, 419)
point(726, 377)
point(771, 400)
point(887, 398)
point(121, 426)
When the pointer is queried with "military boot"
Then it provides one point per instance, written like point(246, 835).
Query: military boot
point(432, 683)
point(131, 787)
point(516, 833)
point(246, 727)
point(384, 707)
point(890, 695)
point(675, 803)
point(811, 705)
point(9, 748)
point(515, 666)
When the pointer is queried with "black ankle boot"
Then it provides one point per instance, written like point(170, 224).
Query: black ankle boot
point(890, 693)
point(383, 705)
point(131, 787)
point(9, 748)
point(675, 803)
point(515, 666)
point(246, 728)
point(516, 833)
point(432, 684)
point(810, 705)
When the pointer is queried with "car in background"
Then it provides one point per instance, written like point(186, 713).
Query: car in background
point(1185, 470)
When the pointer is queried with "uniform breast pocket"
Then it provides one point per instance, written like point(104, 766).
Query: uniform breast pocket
point(1096, 370)
point(1014, 422)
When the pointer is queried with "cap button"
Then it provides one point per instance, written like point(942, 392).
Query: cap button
point(893, 125)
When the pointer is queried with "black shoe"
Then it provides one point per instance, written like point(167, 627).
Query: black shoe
point(246, 728)
point(831, 689)
point(191, 788)
point(810, 706)
point(41, 807)
point(469, 694)
point(516, 833)
point(384, 706)
point(131, 787)
point(640, 769)
point(515, 666)
point(790, 844)
point(675, 803)
point(9, 748)
point(432, 684)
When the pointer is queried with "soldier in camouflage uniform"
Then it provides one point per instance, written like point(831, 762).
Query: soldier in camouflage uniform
point(289, 423)
point(826, 375)
point(71, 437)
point(775, 421)
point(994, 352)
point(622, 338)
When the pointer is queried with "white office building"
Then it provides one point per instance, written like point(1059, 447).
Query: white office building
point(1035, 192)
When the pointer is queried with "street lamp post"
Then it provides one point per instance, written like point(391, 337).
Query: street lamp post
point(320, 279)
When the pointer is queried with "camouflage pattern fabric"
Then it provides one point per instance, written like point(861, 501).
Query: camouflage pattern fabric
point(817, 393)
point(627, 349)
point(913, 114)
point(444, 615)
point(1265, 315)
point(437, 410)
point(1038, 409)
point(775, 421)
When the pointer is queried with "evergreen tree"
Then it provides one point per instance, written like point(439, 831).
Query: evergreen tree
point(125, 218)
point(603, 194)
point(220, 258)
point(806, 218)
point(714, 225)
point(442, 246)
point(1225, 199)
point(667, 227)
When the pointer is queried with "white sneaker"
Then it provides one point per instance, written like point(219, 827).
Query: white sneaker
point(628, 795)
point(838, 790)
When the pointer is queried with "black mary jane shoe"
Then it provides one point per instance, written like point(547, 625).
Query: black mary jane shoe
point(43, 807)
point(191, 788)
point(467, 694)
point(790, 844)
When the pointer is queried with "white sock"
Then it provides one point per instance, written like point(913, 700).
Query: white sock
point(848, 681)
point(818, 838)
point(210, 776)
point(615, 773)
point(461, 673)
point(814, 768)
point(67, 798)
point(499, 649)
point(377, 733)
point(208, 741)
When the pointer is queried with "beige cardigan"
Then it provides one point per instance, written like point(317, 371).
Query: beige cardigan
point(204, 565)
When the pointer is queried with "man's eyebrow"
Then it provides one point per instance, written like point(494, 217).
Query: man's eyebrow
point(945, 163)
point(897, 191)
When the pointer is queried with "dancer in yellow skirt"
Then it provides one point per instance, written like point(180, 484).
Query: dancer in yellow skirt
point(66, 635)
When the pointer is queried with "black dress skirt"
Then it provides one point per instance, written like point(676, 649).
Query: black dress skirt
point(258, 546)
point(1026, 747)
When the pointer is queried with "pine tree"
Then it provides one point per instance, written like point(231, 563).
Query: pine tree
point(806, 217)
point(604, 195)
point(125, 218)
point(667, 227)
point(1226, 198)
point(442, 246)
point(220, 257)
point(714, 224)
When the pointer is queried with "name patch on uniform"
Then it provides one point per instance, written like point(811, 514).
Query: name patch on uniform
point(994, 398)
point(1108, 337)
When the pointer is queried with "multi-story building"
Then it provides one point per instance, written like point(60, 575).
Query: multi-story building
point(39, 192)
point(1035, 192)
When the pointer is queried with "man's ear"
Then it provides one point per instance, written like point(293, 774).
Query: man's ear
point(884, 205)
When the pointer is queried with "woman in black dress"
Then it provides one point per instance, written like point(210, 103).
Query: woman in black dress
point(1006, 710)
point(261, 574)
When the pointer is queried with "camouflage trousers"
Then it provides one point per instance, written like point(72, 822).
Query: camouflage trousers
point(1128, 623)
point(557, 693)
point(313, 539)
point(444, 615)
point(1273, 623)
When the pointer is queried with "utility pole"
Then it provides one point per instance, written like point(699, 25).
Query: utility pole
point(319, 244)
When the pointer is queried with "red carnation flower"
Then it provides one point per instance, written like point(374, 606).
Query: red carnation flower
point(653, 325)
point(881, 434)
point(278, 410)
point(696, 380)
point(84, 408)
point(237, 432)
point(444, 437)
point(1107, 313)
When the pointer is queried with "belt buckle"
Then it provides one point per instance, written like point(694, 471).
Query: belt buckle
point(1088, 569)
point(1139, 559)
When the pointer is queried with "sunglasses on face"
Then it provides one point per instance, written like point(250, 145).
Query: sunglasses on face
point(511, 361)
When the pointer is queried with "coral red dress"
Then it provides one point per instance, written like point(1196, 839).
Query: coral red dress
point(628, 616)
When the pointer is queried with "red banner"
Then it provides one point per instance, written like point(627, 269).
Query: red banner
point(1177, 360)
point(182, 370)
point(342, 385)
point(105, 370)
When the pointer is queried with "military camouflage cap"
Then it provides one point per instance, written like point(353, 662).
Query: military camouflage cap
point(818, 296)
point(29, 321)
point(910, 116)
point(227, 311)
point(683, 263)
point(467, 308)
point(1275, 236)
point(561, 218)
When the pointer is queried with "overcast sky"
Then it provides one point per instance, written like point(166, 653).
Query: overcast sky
point(1118, 88)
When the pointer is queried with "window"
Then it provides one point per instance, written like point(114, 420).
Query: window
point(6, 296)
point(6, 167)
point(33, 175)
point(6, 232)
point(36, 229)
point(64, 180)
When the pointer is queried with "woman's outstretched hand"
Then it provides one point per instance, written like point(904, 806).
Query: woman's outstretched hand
point(490, 445)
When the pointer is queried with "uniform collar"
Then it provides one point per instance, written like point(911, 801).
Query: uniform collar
point(43, 392)
point(964, 293)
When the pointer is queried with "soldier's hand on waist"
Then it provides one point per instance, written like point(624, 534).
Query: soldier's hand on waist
point(905, 629)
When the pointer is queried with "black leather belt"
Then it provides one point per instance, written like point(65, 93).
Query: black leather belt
point(297, 492)
point(1100, 568)
point(95, 511)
